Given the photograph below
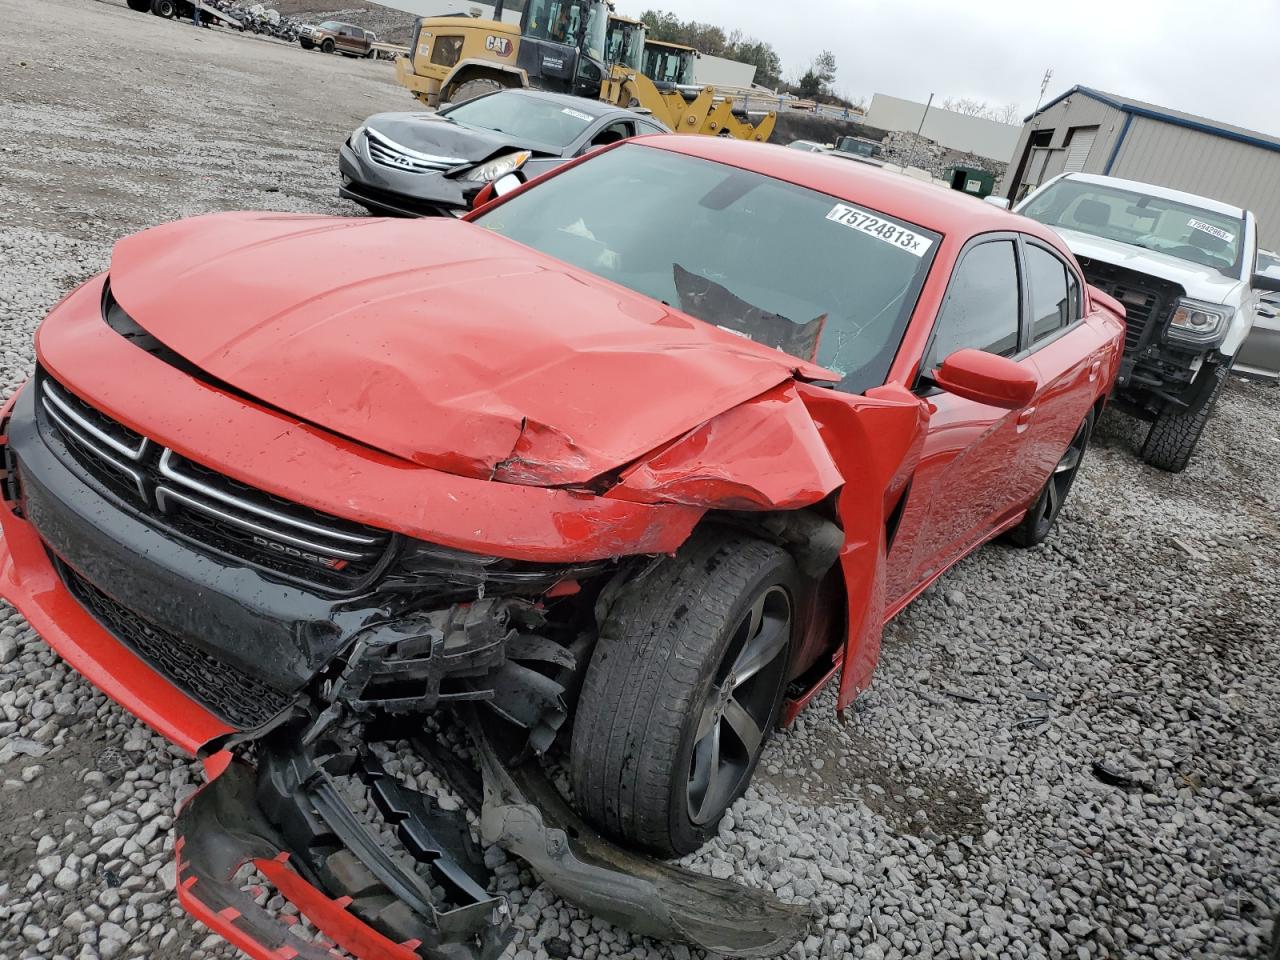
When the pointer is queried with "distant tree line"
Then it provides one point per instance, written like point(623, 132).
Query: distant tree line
point(714, 41)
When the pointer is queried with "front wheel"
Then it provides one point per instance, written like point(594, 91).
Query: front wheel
point(474, 88)
point(326, 46)
point(1174, 435)
point(683, 690)
point(164, 8)
point(306, 44)
point(1035, 526)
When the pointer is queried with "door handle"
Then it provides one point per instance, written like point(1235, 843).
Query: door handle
point(1094, 368)
point(1024, 418)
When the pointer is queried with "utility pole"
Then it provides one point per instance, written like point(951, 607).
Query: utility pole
point(924, 116)
point(1044, 85)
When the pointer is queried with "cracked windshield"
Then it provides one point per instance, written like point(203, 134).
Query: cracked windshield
point(818, 278)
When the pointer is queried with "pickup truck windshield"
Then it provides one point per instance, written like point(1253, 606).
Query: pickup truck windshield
point(809, 274)
point(1178, 230)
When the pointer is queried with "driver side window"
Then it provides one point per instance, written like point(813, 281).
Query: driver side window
point(981, 306)
point(622, 130)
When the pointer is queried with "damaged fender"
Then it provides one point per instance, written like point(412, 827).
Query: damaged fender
point(877, 439)
point(789, 448)
point(765, 454)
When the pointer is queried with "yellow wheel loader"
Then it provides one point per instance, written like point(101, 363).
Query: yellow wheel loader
point(560, 45)
point(665, 87)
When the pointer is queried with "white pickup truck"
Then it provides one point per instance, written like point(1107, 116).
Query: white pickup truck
point(1184, 268)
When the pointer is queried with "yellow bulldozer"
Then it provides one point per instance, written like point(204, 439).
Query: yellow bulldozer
point(568, 46)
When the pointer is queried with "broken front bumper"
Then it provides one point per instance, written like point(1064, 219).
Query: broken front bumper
point(286, 820)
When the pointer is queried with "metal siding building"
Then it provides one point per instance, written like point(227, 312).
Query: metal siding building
point(986, 138)
point(1120, 137)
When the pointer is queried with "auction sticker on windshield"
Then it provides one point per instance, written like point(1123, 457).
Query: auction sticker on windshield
point(577, 114)
point(1210, 229)
point(874, 225)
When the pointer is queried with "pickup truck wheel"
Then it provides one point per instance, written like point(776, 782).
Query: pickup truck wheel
point(474, 88)
point(1175, 433)
point(683, 690)
point(326, 46)
point(164, 8)
point(371, 55)
point(1041, 515)
point(306, 44)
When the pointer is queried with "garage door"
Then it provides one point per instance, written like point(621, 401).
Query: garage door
point(1079, 147)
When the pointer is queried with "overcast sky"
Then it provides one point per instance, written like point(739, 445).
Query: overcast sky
point(1217, 58)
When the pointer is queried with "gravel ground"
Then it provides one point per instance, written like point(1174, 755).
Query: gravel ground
point(1067, 752)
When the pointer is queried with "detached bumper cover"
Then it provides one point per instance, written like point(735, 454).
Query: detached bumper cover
point(223, 828)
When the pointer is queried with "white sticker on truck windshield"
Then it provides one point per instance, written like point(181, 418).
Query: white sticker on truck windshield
point(577, 114)
point(874, 225)
point(1210, 229)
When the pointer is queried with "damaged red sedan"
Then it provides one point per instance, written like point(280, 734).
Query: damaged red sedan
point(620, 472)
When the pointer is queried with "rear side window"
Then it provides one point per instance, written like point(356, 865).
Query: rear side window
point(981, 309)
point(1051, 302)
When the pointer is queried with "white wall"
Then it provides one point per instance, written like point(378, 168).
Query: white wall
point(987, 138)
point(719, 72)
point(436, 8)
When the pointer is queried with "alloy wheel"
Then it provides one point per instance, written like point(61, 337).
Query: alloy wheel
point(739, 707)
point(1064, 474)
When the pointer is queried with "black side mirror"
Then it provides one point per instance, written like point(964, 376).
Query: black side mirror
point(1265, 281)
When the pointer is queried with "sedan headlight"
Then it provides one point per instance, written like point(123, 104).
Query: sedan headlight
point(497, 167)
point(444, 572)
point(356, 135)
point(1199, 323)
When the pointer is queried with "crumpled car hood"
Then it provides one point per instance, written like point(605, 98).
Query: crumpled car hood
point(1200, 282)
point(437, 341)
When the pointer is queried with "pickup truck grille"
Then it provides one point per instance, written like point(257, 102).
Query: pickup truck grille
point(1147, 300)
point(212, 509)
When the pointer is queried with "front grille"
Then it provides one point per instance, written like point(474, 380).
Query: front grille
point(386, 152)
point(233, 695)
point(211, 509)
point(1146, 299)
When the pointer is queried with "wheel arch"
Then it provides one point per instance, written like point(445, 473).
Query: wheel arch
point(477, 69)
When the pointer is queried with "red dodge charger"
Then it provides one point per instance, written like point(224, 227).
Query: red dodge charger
point(622, 470)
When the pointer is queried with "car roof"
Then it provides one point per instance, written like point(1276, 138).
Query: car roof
point(924, 204)
point(1164, 193)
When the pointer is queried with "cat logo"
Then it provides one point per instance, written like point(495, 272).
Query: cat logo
point(502, 46)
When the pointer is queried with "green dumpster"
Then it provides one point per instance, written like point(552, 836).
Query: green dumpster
point(971, 180)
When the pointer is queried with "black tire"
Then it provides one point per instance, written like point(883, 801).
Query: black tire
point(371, 55)
point(1175, 434)
point(326, 46)
point(1041, 515)
point(661, 682)
point(139, 6)
point(306, 44)
point(474, 88)
point(164, 8)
